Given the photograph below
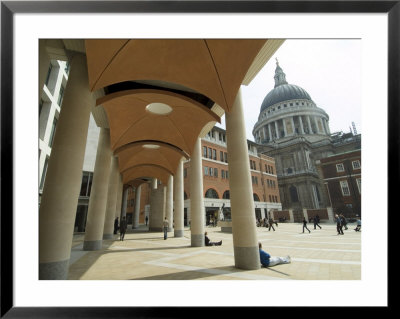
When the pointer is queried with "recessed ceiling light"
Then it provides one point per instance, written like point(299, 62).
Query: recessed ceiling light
point(159, 108)
point(151, 146)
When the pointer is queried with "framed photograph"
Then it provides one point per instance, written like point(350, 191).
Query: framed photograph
point(375, 24)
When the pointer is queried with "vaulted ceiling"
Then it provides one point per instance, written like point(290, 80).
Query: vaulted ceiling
point(161, 94)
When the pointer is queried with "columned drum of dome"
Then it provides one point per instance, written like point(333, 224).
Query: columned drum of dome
point(288, 111)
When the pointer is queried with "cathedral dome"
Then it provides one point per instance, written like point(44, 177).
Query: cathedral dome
point(283, 91)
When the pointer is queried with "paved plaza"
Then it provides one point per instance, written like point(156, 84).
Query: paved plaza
point(144, 255)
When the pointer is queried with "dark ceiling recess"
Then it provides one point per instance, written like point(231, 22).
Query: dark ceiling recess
point(132, 85)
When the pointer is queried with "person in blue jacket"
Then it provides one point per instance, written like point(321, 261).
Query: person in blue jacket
point(268, 261)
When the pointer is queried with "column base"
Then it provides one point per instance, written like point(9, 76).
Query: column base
point(197, 240)
point(57, 270)
point(247, 258)
point(93, 245)
point(178, 233)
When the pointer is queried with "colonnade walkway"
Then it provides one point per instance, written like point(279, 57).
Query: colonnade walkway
point(144, 255)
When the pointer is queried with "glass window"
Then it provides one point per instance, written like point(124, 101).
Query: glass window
point(53, 131)
point(209, 152)
point(345, 188)
point(204, 151)
point(214, 154)
point(44, 173)
point(356, 164)
point(221, 156)
point(226, 195)
point(215, 172)
point(60, 96)
point(211, 193)
point(339, 167)
point(205, 170)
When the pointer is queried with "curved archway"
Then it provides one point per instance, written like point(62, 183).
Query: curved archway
point(294, 197)
point(211, 193)
point(255, 197)
point(226, 195)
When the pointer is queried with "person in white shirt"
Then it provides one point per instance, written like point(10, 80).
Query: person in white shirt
point(165, 225)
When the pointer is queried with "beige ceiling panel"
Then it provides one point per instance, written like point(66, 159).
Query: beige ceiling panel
point(137, 154)
point(146, 171)
point(100, 53)
point(185, 62)
point(232, 59)
point(129, 120)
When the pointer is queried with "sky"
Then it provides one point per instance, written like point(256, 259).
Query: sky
point(328, 69)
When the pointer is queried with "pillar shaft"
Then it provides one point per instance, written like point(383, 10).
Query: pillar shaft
point(98, 195)
point(196, 197)
point(242, 205)
point(178, 202)
point(118, 205)
point(157, 208)
point(169, 203)
point(124, 202)
point(108, 231)
point(64, 175)
point(135, 220)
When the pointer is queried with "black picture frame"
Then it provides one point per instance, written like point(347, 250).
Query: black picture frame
point(9, 8)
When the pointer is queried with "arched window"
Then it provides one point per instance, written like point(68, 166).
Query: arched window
point(293, 194)
point(226, 195)
point(255, 197)
point(211, 193)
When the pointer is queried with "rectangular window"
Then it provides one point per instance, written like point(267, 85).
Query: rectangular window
point(211, 171)
point(225, 157)
point(53, 131)
point(205, 170)
point(48, 74)
point(215, 172)
point(359, 185)
point(356, 164)
point(44, 173)
point(345, 188)
point(209, 153)
point(339, 167)
point(204, 151)
point(222, 173)
point(214, 154)
point(60, 96)
point(221, 156)
point(226, 174)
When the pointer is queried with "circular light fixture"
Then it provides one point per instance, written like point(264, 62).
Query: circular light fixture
point(159, 108)
point(151, 146)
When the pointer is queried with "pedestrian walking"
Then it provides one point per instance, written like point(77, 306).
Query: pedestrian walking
point(305, 225)
point(344, 221)
point(339, 226)
point(270, 221)
point(316, 222)
point(122, 228)
point(116, 226)
point(165, 225)
point(358, 227)
point(147, 220)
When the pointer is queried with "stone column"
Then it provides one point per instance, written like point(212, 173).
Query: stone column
point(157, 208)
point(293, 127)
point(118, 205)
point(269, 131)
point(245, 243)
point(98, 195)
point(124, 202)
point(301, 125)
point(64, 175)
point(284, 126)
point(135, 219)
point(309, 125)
point(108, 230)
point(196, 197)
point(169, 203)
point(178, 201)
point(276, 129)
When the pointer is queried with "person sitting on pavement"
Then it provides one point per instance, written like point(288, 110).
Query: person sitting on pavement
point(208, 242)
point(268, 261)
